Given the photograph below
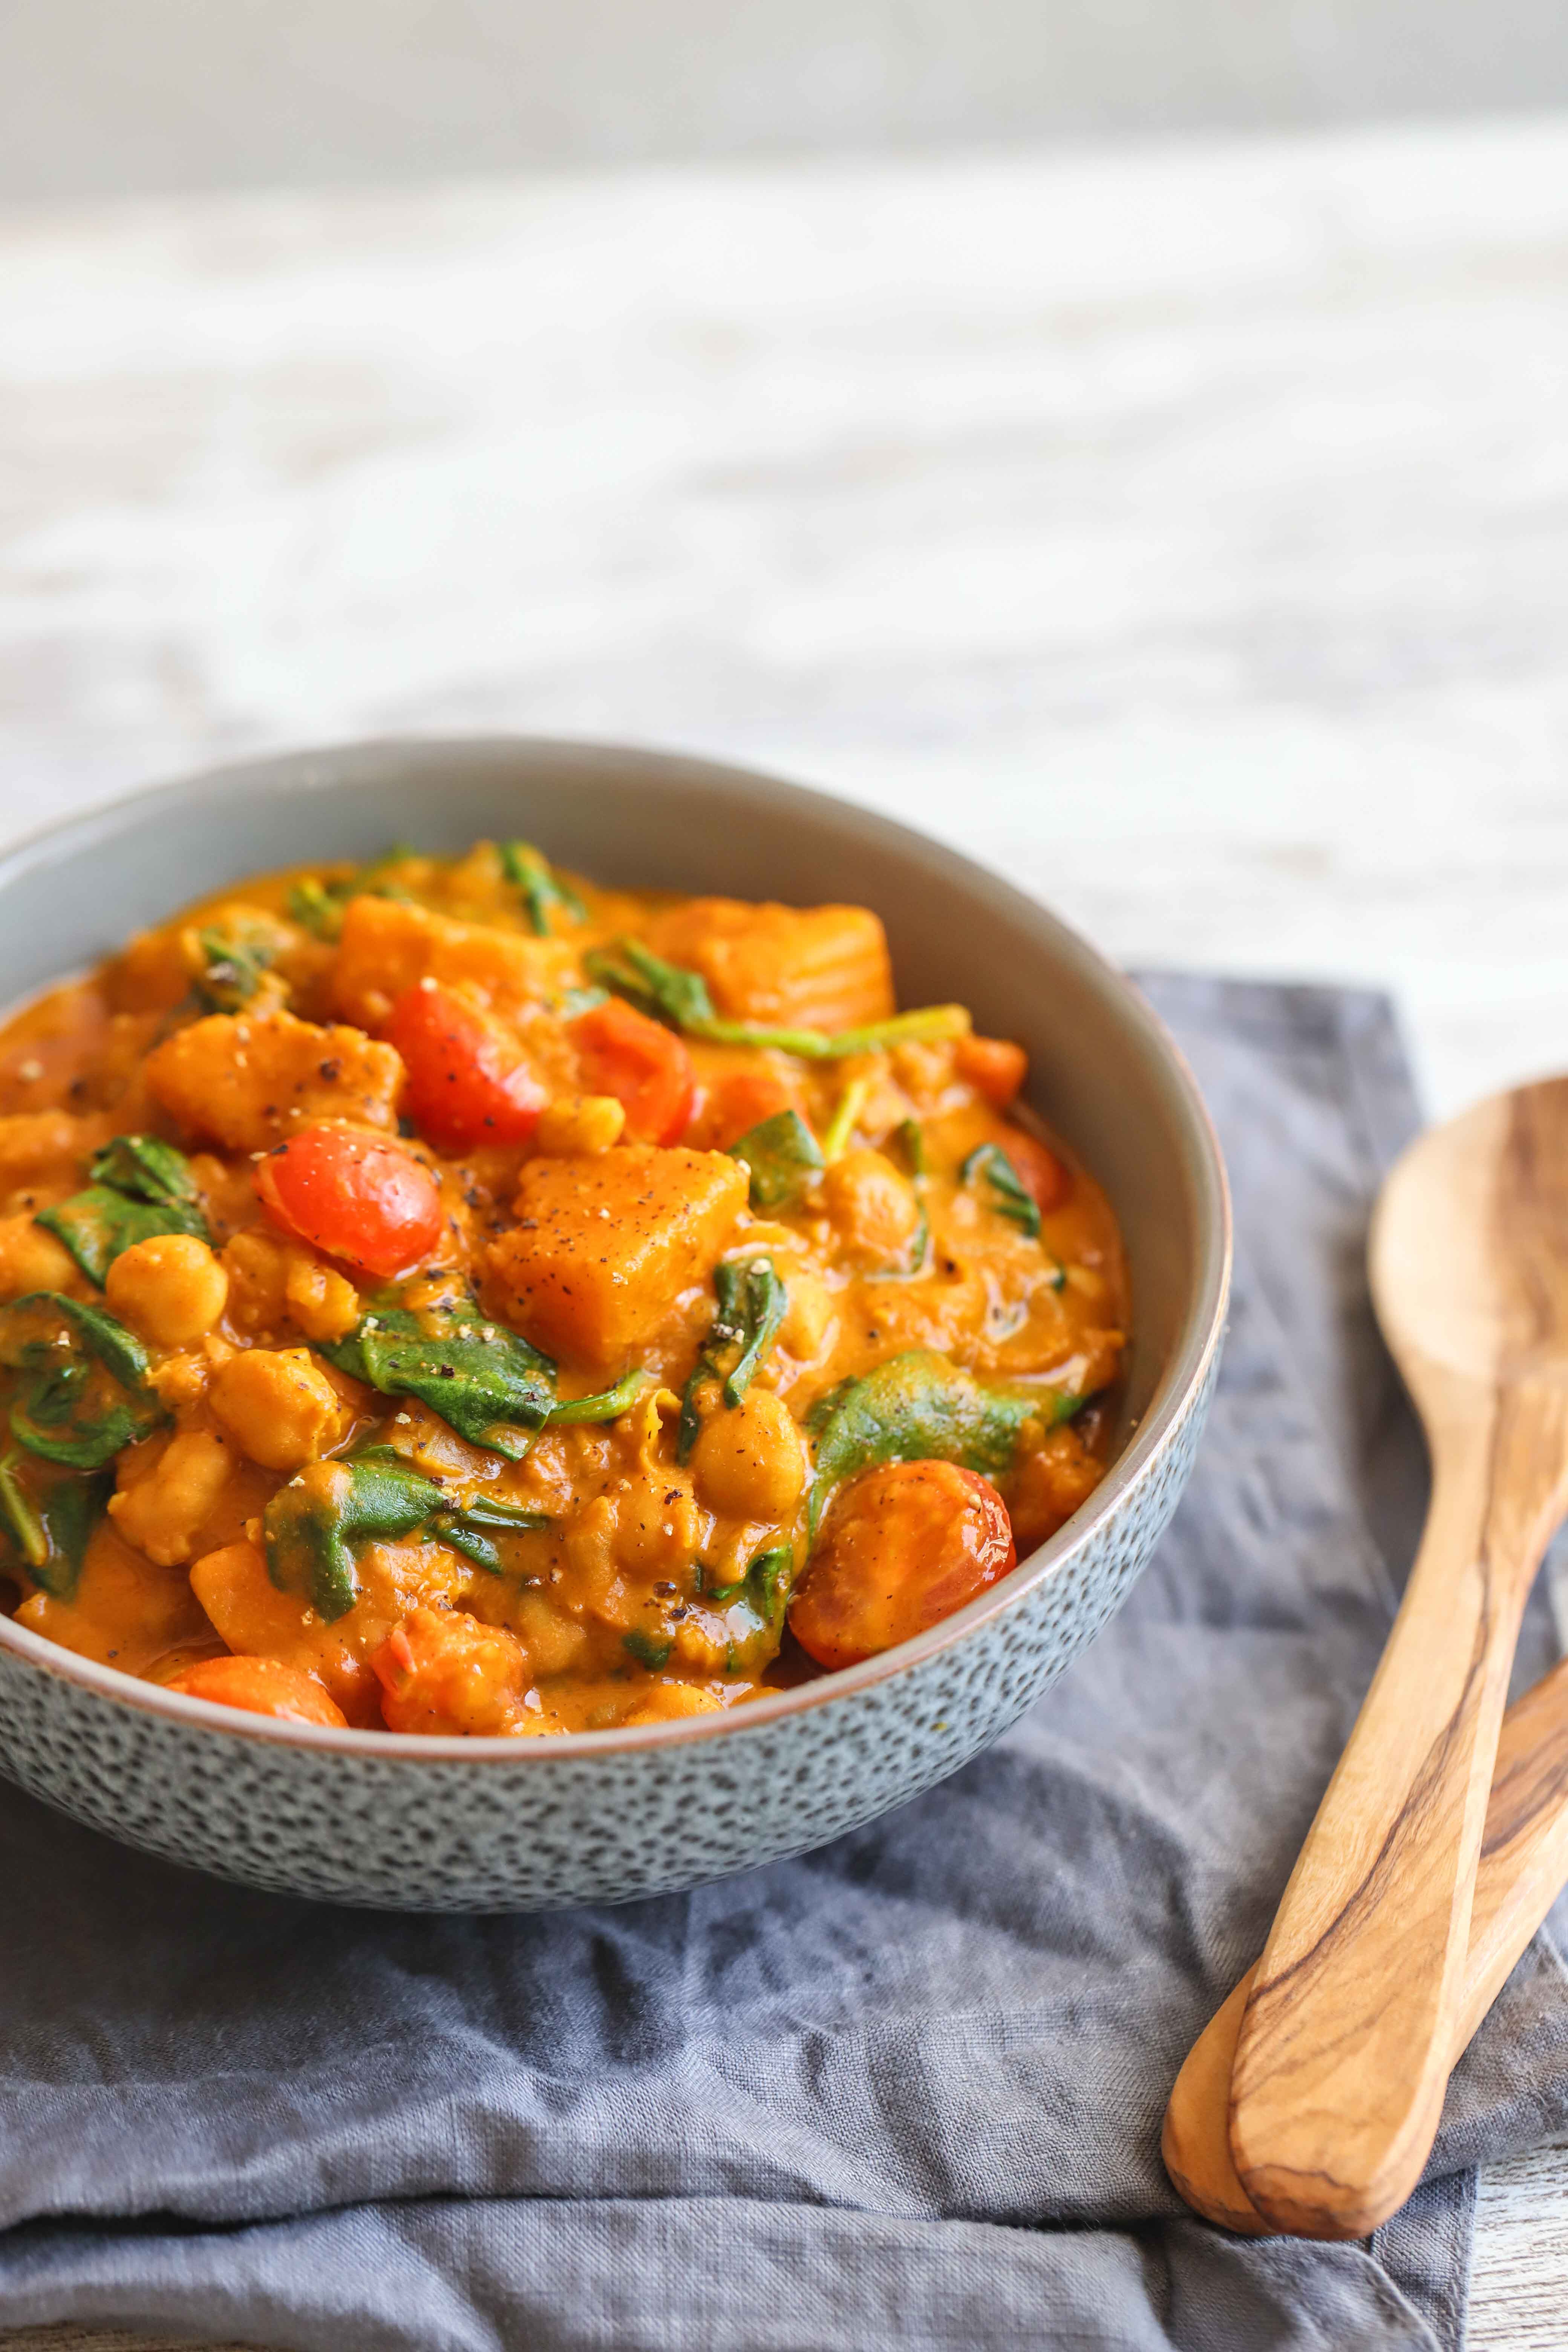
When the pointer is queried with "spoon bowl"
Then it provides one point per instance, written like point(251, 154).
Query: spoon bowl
point(1348, 2032)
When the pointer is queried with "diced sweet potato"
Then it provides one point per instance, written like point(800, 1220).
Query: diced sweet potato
point(257, 1620)
point(245, 1080)
point(604, 1247)
point(794, 967)
point(388, 944)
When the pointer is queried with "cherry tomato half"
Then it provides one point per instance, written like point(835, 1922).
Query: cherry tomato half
point(642, 1064)
point(993, 1067)
point(361, 1198)
point(1039, 1168)
point(261, 1686)
point(466, 1084)
point(904, 1545)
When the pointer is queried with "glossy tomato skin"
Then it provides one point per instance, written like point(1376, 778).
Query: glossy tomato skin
point(993, 1067)
point(361, 1198)
point(643, 1064)
point(1039, 1168)
point(903, 1546)
point(465, 1085)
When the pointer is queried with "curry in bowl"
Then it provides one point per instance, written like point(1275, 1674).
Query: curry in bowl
point(450, 1298)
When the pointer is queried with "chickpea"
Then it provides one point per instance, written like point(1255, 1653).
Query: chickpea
point(31, 1259)
point(553, 1641)
point(256, 1265)
point(807, 1316)
point(871, 1203)
point(273, 1281)
point(278, 1406)
point(748, 1462)
point(324, 1303)
point(171, 1288)
point(161, 1514)
point(579, 1126)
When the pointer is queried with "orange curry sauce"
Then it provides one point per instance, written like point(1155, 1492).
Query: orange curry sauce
point(322, 1205)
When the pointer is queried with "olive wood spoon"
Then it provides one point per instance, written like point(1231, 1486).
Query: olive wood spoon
point(1349, 2027)
point(1523, 1869)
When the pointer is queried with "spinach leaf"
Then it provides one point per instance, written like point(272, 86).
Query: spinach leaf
point(318, 906)
point(607, 1405)
point(1010, 1196)
point(83, 1394)
point(484, 1381)
point(752, 1302)
point(52, 1534)
point(311, 1526)
point(140, 1187)
point(468, 1528)
point(664, 990)
point(671, 994)
point(530, 875)
point(649, 1649)
point(909, 1135)
point(234, 963)
point(782, 1158)
point(758, 1588)
point(919, 1407)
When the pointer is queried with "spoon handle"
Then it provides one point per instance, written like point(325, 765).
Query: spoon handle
point(1523, 1868)
point(1345, 2042)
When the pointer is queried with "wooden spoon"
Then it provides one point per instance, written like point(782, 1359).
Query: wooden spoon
point(1348, 2029)
point(1523, 1869)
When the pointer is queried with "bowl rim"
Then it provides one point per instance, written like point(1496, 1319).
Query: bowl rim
point(1180, 1382)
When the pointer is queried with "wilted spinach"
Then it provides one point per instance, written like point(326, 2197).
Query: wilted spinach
point(920, 1407)
point(51, 1530)
point(232, 964)
point(539, 886)
point(318, 906)
point(752, 1302)
point(671, 994)
point(140, 1187)
point(767, 1573)
point(782, 1157)
point(81, 1380)
point(1010, 1196)
point(312, 1528)
point(483, 1380)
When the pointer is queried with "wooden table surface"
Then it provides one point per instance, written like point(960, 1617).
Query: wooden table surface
point(1185, 532)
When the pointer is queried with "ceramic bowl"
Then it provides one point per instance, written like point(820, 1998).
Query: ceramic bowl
point(498, 1824)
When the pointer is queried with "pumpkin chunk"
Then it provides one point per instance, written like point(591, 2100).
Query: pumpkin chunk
point(388, 944)
point(244, 1080)
point(604, 1247)
point(791, 967)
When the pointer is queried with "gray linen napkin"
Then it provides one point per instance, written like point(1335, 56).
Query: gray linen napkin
point(906, 2090)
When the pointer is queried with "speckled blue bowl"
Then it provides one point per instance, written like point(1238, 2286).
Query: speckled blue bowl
point(496, 1824)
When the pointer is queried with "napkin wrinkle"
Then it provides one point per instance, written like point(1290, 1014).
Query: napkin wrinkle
point(907, 2089)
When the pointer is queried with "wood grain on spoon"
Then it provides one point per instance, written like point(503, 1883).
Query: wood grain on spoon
point(1523, 1868)
point(1348, 2030)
